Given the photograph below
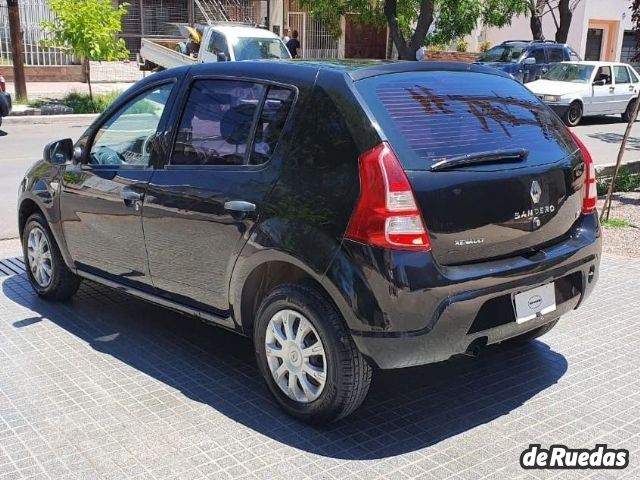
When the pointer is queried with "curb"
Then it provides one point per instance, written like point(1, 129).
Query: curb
point(46, 119)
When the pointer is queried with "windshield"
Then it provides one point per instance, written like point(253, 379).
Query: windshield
point(569, 72)
point(254, 48)
point(503, 53)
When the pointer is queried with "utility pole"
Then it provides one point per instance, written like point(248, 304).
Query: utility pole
point(17, 50)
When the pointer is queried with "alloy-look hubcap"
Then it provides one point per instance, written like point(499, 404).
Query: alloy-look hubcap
point(296, 356)
point(39, 256)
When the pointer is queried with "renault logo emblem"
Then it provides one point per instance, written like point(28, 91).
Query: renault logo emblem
point(536, 192)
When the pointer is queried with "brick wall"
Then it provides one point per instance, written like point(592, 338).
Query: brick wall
point(62, 73)
point(464, 57)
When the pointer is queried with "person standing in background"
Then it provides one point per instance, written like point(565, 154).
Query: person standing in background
point(286, 37)
point(294, 45)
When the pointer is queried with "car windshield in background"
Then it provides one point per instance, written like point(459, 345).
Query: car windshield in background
point(433, 116)
point(569, 72)
point(254, 48)
point(503, 53)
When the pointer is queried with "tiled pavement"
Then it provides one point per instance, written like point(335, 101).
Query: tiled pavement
point(110, 387)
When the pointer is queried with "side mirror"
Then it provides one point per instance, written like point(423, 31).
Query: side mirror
point(59, 152)
point(221, 57)
point(529, 61)
point(600, 83)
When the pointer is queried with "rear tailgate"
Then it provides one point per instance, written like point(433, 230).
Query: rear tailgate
point(488, 209)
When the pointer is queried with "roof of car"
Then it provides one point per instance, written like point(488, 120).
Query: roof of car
point(244, 31)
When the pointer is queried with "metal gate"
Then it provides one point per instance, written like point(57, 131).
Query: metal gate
point(315, 39)
point(32, 13)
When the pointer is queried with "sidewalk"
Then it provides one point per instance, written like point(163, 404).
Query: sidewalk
point(56, 90)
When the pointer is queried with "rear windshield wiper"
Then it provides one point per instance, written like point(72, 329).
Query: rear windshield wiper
point(481, 157)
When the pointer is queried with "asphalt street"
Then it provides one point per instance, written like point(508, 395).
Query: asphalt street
point(19, 148)
point(23, 144)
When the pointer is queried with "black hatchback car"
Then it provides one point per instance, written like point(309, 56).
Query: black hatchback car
point(345, 216)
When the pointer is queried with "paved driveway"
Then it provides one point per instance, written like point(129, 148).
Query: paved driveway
point(110, 387)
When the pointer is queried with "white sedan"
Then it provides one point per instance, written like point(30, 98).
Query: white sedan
point(579, 89)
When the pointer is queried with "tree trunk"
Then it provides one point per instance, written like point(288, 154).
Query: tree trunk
point(536, 8)
point(87, 73)
point(407, 49)
point(566, 15)
point(17, 50)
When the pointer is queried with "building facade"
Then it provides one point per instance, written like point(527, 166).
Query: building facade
point(600, 30)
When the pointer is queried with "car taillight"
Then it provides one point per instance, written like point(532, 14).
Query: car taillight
point(386, 214)
point(590, 194)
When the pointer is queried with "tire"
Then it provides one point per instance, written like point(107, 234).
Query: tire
point(532, 334)
point(60, 283)
point(573, 115)
point(626, 116)
point(347, 375)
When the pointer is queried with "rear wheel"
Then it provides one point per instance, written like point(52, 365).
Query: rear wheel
point(48, 274)
point(573, 116)
point(626, 116)
point(307, 357)
point(532, 334)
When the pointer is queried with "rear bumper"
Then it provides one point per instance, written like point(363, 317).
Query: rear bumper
point(419, 312)
point(5, 104)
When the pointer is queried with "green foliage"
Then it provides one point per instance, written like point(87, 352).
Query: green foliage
point(616, 223)
point(462, 45)
point(87, 29)
point(625, 182)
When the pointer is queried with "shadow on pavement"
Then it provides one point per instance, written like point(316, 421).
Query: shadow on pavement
point(633, 143)
point(406, 410)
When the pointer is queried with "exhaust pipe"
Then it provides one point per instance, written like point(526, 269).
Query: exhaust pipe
point(473, 350)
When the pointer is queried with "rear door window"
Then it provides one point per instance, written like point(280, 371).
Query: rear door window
point(556, 54)
point(433, 116)
point(621, 74)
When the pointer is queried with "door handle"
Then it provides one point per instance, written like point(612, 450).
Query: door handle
point(612, 89)
point(240, 206)
point(631, 88)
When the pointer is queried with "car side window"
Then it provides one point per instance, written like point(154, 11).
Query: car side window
point(538, 54)
point(217, 123)
point(126, 137)
point(634, 77)
point(218, 44)
point(273, 117)
point(604, 74)
point(556, 54)
point(621, 74)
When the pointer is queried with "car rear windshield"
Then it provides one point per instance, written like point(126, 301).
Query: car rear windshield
point(433, 116)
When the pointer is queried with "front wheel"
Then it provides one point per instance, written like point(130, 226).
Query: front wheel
point(573, 116)
point(48, 274)
point(307, 357)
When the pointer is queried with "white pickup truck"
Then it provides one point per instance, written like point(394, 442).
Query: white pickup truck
point(219, 43)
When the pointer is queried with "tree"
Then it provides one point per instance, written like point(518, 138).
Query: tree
point(560, 10)
point(411, 22)
point(17, 50)
point(87, 29)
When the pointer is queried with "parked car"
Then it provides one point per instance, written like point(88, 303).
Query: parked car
point(527, 60)
point(217, 43)
point(5, 100)
point(343, 215)
point(581, 89)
